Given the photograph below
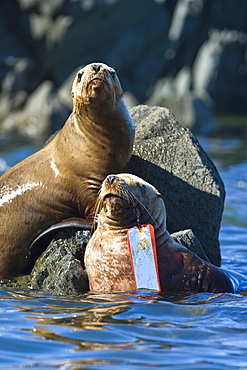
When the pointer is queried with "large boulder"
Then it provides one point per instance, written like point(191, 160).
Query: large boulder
point(170, 157)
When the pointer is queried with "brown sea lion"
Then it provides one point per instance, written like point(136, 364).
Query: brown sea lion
point(126, 200)
point(62, 180)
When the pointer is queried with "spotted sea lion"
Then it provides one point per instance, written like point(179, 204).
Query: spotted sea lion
point(125, 200)
point(62, 180)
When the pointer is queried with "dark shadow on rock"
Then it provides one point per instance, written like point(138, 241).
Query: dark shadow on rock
point(170, 158)
point(186, 206)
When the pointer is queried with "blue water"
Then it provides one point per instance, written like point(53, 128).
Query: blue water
point(139, 331)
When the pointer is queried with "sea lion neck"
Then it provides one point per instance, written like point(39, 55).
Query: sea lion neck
point(161, 236)
point(82, 107)
point(100, 112)
point(121, 225)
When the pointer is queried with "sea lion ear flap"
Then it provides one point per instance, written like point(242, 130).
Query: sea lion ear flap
point(159, 195)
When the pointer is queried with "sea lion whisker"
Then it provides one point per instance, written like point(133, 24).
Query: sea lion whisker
point(98, 206)
point(130, 199)
point(95, 223)
point(127, 195)
point(124, 193)
point(134, 200)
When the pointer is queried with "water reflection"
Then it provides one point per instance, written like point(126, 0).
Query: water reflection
point(225, 152)
point(122, 330)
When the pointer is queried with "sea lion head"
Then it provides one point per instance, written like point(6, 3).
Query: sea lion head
point(96, 83)
point(130, 198)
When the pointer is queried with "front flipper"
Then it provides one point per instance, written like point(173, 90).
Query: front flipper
point(43, 240)
point(182, 270)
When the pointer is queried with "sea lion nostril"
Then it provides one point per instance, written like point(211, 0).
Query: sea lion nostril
point(96, 67)
point(111, 179)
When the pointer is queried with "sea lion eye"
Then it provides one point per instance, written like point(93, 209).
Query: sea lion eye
point(79, 76)
point(113, 74)
point(143, 188)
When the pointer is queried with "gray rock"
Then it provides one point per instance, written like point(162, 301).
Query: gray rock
point(60, 268)
point(170, 157)
point(37, 119)
point(194, 109)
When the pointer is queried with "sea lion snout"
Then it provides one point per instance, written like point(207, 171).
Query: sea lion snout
point(134, 193)
point(110, 179)
point(96, 80)
point(96, 67)
point(110, 186)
